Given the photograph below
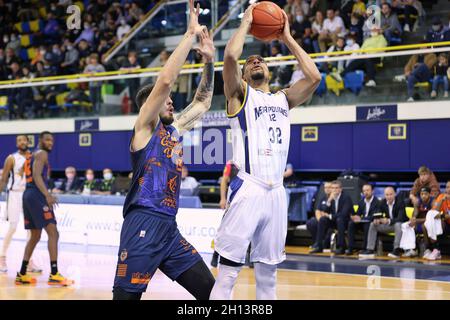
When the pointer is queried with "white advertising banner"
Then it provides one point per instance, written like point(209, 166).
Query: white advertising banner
point(101, 225)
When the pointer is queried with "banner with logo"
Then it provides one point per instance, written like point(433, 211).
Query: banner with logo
point(101, 225)
point(376, 112)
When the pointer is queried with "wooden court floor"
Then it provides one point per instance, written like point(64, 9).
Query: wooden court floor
point(93, 272)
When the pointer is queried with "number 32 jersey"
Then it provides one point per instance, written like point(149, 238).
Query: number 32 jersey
point(260, 133)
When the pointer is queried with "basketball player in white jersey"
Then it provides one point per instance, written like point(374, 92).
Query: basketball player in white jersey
point(257, 206)
point(14, 179)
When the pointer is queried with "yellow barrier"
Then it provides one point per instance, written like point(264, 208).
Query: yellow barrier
point(220, 63)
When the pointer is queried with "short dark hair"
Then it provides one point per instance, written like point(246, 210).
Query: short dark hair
point(337, 182)
point(43, 133)
point(143, 94)
point(22, 135)
point(368, 184)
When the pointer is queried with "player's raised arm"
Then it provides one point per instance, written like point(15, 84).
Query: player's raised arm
point(234, 86)
point(186, 120)
point(150, 109)
point(300, 91)
point(7, 167)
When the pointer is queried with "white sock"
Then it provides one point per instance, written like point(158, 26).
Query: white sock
point(266, 280)
point(8, 237)
point(225, 281)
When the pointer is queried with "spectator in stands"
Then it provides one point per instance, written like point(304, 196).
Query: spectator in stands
point(318, 5)
point(316, 30)
point(3, 72)
point(333, 27)
point(188, 184)
point(418, 217)
point(389, 23)
point(280, 74)
point(335, 67)
point(289, 177)
point(84, 50)
point(135, 12)
point(71, 56)
point(303, 5)
point(413, 62)
point(90, 184)
point(57, 57)
point(426, 179)
point(323, 209)
point(301, 30)
point(356, 28)
point(103, 48)
point(441, 69)
point(341, 209)
point(442, 205)
point(11, 57)
point(106, 185)
point(51, 30)
point(376, 40)
point(87, 34)
point(94, 86)
point(363, 217)
point(13, 43)
point(123, 29)
point(437, 31)
point(406, 9)
point(296, 75)
point(133, 84)
point(394, 215)
point(71, 184)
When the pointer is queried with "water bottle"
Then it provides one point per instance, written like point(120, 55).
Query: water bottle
point(333, 242)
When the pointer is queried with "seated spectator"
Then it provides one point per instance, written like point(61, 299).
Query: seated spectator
point(441, 69)
point(418, 218)
point(316, 30)
point(289, 177)
point(303, 5)
point(426, 179)
point(376, 40)
point(296, 75)
point(188, 184)
point(437, 31)
point(333, 27)
point(71, 59)
point(87, 34)
point(413, 62)
point(323, 208)
point(280, 74)
point(408, 11)
point(51, 30)
point(356, 28)
point(71, 184)
point(301, 31)
point(389, 23)
point(341, 209)
point(133, 84)
point(363, 217)
point(94, 86)
point(394, 215)
point(334, 66)
point(442, 205)
point(123, 29)
point(106, 185)
point(90, 184)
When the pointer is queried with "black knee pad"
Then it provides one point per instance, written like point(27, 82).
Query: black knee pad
point(229, 263)
point(120, 294)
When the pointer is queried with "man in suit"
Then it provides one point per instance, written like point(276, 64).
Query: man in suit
point(394, 215)
point(323, 208)
point(363, 217)
point(72, 184)
point(341, 209)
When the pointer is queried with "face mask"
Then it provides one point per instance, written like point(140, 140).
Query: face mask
point(69, 47)
point(436, 27)
point(90, 177)
point(5, 39)
point(349, 42)
point(107, 176)
point(299, 18)
point(70, 175)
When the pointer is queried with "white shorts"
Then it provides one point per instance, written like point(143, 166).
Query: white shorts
point(14, 206)
point(257, 214)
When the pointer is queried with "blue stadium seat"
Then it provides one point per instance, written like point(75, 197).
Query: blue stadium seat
point(322, 88)
point(354, 81)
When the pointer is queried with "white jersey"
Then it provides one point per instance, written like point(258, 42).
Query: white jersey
point(261, 131)
point(17, 179)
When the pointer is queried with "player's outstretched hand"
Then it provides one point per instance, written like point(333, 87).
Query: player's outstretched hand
point(286, 34)
point(206, 47)
point(194, 27)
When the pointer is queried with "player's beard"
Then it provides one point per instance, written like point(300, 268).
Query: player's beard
point(166, 120)
point(24, 149)
point(258, 76)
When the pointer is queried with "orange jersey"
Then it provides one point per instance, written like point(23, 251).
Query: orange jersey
point(444, 207)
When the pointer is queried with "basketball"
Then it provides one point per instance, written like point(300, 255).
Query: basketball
point(268, 21)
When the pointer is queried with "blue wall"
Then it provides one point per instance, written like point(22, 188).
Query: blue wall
point(362, 146)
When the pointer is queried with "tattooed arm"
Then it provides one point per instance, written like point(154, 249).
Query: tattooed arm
point(186, 120)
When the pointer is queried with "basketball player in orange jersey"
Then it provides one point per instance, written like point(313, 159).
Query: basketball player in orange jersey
point(38, 205)
point(13, 177)
point(259, 120)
